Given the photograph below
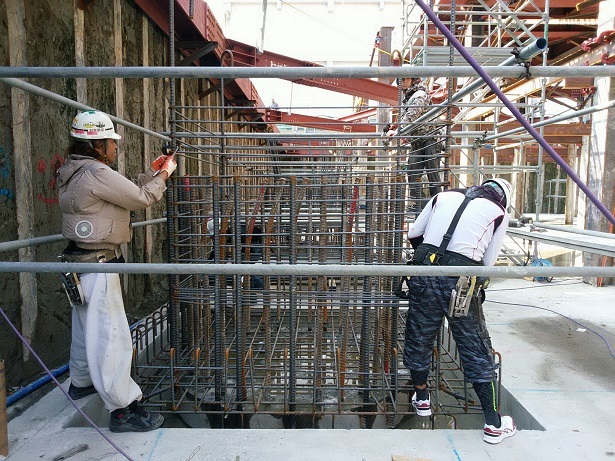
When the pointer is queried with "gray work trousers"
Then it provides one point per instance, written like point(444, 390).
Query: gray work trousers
point(423, 158)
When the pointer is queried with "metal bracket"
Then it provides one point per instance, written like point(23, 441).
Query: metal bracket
point(516, 52)
point(478, 142)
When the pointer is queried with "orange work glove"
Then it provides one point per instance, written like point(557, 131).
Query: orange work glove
point(169, 165)
point(157, 164)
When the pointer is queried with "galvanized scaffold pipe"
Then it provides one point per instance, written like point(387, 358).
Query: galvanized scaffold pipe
point(8, 75)
point(24, 243)
point(77, 105)
point(518, 115)
point(559, 118)
point(524, 54)
point(393, 270)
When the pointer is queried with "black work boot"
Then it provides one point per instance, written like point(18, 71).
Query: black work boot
point(77, 393)
point(134, 418)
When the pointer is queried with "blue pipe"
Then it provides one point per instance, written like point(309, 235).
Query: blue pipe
point(21, 393)
point(518, 115)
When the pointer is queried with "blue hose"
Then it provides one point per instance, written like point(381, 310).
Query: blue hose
point(21, 393)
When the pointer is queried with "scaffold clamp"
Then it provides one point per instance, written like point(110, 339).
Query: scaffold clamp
point(518, 60)
point(479, 141)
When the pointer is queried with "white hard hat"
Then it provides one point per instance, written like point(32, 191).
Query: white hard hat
point(93, 124)
point(504, 186)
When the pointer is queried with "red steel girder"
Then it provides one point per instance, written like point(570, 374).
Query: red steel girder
point(247, 55)
point(319, 123)
point(200, 26)
point(203, 26)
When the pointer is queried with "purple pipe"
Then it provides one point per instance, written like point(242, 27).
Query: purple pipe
point(531, 130)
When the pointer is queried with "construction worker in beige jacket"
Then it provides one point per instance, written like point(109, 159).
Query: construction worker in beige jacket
point(96, 202)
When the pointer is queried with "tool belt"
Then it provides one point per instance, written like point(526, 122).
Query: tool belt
point(92, 256)
point(426, 255)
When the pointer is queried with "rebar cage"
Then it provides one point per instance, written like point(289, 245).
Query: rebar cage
point(304, 350)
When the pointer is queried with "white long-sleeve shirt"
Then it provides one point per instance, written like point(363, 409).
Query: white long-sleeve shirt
point(475, 236)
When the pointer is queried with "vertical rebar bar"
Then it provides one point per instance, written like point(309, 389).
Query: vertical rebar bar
point(240, 326)
point(292, 384)
point(219, 383)
point(366, 302)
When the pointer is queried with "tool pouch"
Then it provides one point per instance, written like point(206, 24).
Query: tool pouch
point(461, 297)
point(72, 286)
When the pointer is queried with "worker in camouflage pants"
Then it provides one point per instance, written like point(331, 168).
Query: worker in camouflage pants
point(429, 300)
point(459, 227)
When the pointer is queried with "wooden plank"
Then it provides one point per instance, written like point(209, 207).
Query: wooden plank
point(119, 109)
point(79, 26)
point(148, 155)
point(22, 148)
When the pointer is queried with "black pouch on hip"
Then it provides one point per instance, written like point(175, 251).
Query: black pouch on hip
point(72, 286)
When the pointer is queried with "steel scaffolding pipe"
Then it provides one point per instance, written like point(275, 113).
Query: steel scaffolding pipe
point(559, 118)
point(77, 105)
point(8, 73)
point(574, 230)
point(525, 54)
point(394, 270)
point(24, 243)
point(518, 115)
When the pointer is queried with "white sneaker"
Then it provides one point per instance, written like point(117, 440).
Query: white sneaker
point(492, 434)
point(422, 407)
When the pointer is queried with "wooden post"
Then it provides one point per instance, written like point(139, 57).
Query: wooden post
point(119, 113)
point(22, 154)
point(148, 154)
point(79, 21)
point(571, 189)
point(4, 434)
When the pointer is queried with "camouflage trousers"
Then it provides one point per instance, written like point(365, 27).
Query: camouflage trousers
point(429, 299)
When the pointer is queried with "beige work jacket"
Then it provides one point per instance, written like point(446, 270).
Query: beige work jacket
point(96, 202)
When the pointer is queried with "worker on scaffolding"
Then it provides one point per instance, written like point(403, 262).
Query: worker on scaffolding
point(460, 227)
point(425, 141)
point(96, 203)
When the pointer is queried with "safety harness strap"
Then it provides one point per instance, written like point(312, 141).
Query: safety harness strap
point(449, 233)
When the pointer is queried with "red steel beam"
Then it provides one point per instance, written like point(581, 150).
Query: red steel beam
point(246, 55)
point(361, 115)
point(202, 26)
point(320, 123)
